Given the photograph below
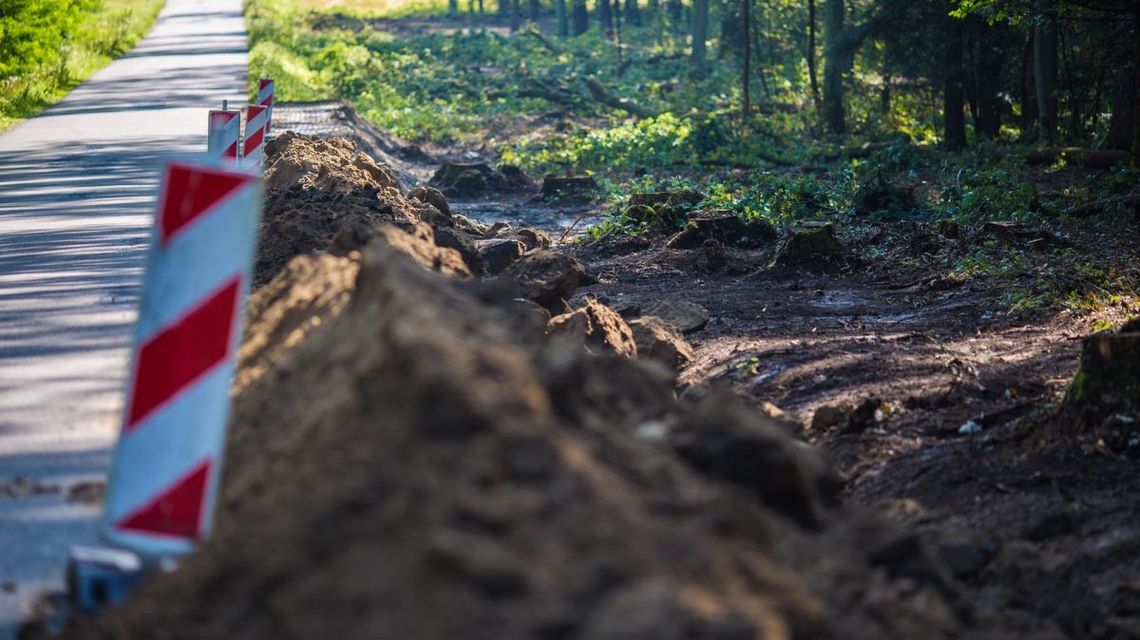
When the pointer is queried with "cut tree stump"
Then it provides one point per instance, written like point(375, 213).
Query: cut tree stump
point(812, 245)
point(569, 187)
point(466, 180)
point(1108, 375)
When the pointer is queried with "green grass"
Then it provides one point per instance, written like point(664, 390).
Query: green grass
point(108, 31)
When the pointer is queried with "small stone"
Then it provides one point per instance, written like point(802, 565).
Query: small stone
point(499, 253)
point(715, 259)
point(533, 238)
point(830, 415)
point(432, 196)
point(970, 427)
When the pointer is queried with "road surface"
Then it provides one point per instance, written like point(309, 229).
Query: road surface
point(77, 190)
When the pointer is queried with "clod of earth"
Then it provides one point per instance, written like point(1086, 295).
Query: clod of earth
point(811, 245)
point(547, 278)
point(432, 196)
point(596, 327)
point(569, 188)
point(661, 341)
point(417, 241)
point(497, 254)
point(686, 316)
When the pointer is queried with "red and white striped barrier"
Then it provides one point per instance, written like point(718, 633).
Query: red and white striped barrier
point(265, 99)
point(164, 478)
point(256, 128)
point(224, 135)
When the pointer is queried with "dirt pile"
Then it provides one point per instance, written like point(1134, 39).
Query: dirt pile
point(411, 456)
point(318, 190)
point(411, 469)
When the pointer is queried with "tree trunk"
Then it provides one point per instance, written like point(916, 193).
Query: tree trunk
point(605, 15)
point(745, 80)
point(504, 8)
point(953, 93)
point(837, 61)
point(1045, 68)
point(563, 19)
point(1027, 98)
point(632, 13)
point(988, 70)
point(1136, 84)
point(533, 10)
point(815, 98)
point(580, 17)
point(452, 7)
point(514, 15)
point(700, 35)
point(675, 14)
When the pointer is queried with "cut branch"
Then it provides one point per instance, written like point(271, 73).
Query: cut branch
point(608, 99)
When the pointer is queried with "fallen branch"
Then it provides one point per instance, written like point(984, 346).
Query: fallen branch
point(608, 99)
point(1097, 207)
point(1090, 158)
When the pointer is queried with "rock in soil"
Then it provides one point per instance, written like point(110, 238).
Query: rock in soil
point(534, 238)
point(569, 188)
point(497, 254)
point(547, 278)
point(661, 341)
point(687, 317)
point(597, 327)
point(464, 243)
point(432, 196)
point(810, 245)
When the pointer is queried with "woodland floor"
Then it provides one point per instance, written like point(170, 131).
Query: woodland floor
point(1036, 518)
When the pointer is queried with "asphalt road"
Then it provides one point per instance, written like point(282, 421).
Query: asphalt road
point(78, 186)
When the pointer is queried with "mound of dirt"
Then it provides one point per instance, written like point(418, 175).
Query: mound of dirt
point(318, 190)
point(409, 469)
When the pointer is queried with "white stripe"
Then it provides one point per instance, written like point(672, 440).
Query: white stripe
point(222, 137)
point(198, 260)
point(257, 122)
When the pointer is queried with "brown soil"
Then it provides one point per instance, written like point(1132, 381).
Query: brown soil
point(412, 456)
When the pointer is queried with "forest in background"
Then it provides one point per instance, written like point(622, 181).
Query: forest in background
point(854, 113)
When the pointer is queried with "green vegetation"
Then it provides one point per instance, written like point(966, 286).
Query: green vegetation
point(47, 47)
point(641, 109)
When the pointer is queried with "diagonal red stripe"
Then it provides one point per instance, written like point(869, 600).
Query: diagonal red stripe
point(177, 511)
point(188, 192)
point(181, 352)
point(253, 141)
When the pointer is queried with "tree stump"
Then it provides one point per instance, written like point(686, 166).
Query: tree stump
point(812, 245)
point(1108, 375)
